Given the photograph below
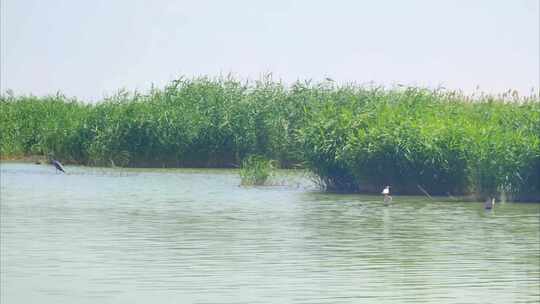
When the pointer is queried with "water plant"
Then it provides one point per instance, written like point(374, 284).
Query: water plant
point(256, 170)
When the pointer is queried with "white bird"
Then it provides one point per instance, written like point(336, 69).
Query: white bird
point(386, 193)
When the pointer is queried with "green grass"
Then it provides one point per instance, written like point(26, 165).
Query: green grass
point(256, 170)
point(417, 138)
point(353, 138)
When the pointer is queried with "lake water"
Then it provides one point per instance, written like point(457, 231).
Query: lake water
point(194, 236)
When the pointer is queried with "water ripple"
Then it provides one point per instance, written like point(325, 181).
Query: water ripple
point(194, 236)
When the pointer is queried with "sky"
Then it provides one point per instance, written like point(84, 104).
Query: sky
point(92, 49)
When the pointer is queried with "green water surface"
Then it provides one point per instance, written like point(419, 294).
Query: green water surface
point(194, 236)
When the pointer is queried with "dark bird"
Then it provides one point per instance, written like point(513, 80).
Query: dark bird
point(58, 165)
point(489, 204)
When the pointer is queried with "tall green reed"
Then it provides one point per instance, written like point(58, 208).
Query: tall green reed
point(354, 138)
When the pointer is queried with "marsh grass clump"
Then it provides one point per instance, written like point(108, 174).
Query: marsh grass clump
point(31, 126)
point(437, 141)
point(256, 170)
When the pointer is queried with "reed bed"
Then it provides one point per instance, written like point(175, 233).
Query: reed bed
point(419, 140)
point(353, 138)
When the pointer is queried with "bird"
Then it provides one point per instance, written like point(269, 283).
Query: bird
point(489, 204)
point(386, 193)
point(58, 165)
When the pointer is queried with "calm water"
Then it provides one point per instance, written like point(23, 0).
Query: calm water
point(194, 236)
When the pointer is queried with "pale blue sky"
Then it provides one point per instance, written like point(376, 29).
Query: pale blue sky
point(90, 49)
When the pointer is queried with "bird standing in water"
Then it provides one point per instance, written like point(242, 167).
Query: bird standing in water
point(386, 193)
point(490, 203)
point(58, 165)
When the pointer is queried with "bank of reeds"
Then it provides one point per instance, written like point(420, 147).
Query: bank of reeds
point(354, 138)
point(416, 139)
point(191, 123)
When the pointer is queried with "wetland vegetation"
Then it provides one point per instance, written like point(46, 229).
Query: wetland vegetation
point(354, 138)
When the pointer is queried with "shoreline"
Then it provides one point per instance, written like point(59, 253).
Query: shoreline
point(24, 159)
point(472, 197)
